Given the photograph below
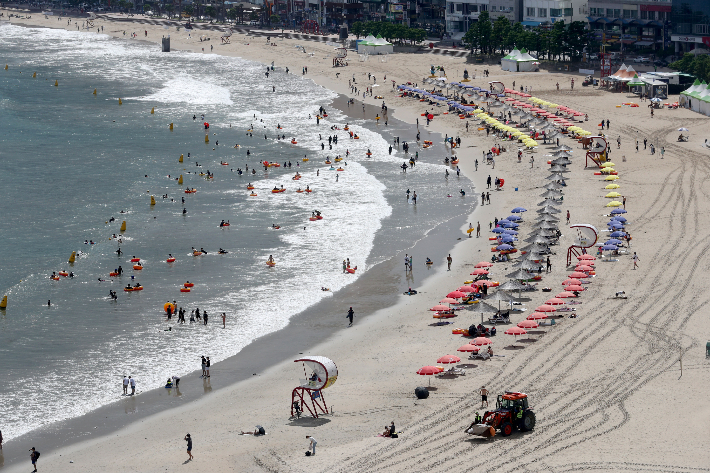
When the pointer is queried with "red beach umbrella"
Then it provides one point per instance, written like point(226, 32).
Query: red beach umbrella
point(578, 275)
point(448, 300)
point(456, 294)
point(466, 289)
point(515, 331)
point(545, 308)
point(565, 294)
point(483, 282)
point(536, 316)
point(583, 267)
point(437, 308)
point(480, 341)
point(574, 287)
point(483, 264)
point(468, 348)
point(554, 301)
point(448, 359)
point(479, 271)
point(528, 324)
point(586, 258)
point(569, 281)
point(429, 370)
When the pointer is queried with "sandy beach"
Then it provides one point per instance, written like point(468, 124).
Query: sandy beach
point(607, 387)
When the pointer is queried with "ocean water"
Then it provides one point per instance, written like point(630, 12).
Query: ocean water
point(70, 160)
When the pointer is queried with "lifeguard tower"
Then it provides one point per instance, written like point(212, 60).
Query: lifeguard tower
point(497, 87)
point(226, 36)
point(597, 151)
point(585, 237)
point(339, 59)
point(320, 373)
point(310, 27)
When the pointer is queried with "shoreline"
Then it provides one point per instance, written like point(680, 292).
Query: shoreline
point(108, 419)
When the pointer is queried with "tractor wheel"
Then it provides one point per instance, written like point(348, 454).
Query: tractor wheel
point(528, 422)
point(506, 429)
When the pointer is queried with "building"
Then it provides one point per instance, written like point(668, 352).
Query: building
point(460, 14)
point(690, 21)
point(546, 12)
point(631, 24)
point(511, 9)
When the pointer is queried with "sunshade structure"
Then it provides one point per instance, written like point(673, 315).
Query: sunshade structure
point(468, 348)
point(696, 98)
point(429, 371)
point(512, 286)
point(500, 296)
point(515, 331)
point(448, 359)
point(483, 308)
point(518, 61)
point(372, 45)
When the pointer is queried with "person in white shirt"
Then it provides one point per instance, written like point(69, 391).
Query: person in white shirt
point(313, 444)
point(133, 385)
point(125, 384)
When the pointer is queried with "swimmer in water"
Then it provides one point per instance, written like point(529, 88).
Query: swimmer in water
point(222, 252)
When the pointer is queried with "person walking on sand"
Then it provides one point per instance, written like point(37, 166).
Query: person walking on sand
point(34, 456)
point(350, 316)
point(568, 216)
point(312, 445)
point(448, 261)
point(623, 202)
point(125, 384)
point(188, 439)
point(636, 260)
point(484, 396)
point(478, 229)
point(133, 385)
point(549, 265)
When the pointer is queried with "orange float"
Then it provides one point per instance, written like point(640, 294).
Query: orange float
point(189, 284)
point(171, 305)
point(63, 273)
point(170, 260)
point(184, 289)
point(135, 260)
point(137, 267)
point(113, 274)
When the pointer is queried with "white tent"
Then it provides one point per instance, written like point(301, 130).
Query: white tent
point(381, 46)
point(518, 61)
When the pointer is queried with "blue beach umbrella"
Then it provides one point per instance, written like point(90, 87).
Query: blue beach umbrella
point(613, 241)
point(498, 230)
point(509, 224)
point(510, 232)
point(507, 239)
point(505, 247)
point(618, 211)
point(617, 234)
point(518, 210)
point(619, 218)
point(609, 247)
point(513, 218)
point(615, 225)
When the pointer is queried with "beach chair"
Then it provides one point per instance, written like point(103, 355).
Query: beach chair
point(452, 371)
point(482, 354)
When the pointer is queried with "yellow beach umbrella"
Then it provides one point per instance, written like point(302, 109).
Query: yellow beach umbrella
point(613, 194)
point(611, 178)
point(607, 170)
point(608, 164)
point(614, 203)
point(612, 186)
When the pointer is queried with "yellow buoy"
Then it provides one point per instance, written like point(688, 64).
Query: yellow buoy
point(152, 200)
point(72, 258)
point(94, 91)
point(34, 75)
point(152, 110)
point(180, 180)
point(56, 83)
point(171, 127)
point(180, 159)
point(123, 226)
point(3, 303)
point(120, 102)
point(207, 138)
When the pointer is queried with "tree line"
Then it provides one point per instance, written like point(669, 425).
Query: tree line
point(561, 42)
point(394, 33)
point(699, 65)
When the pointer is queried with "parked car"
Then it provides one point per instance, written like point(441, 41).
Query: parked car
point(642, 60)
point(660, 63)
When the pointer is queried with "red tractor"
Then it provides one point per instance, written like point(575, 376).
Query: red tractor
point(512, 411)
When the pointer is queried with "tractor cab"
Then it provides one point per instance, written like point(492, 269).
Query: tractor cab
point(512, 401)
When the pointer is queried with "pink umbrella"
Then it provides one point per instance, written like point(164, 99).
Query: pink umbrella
point(448, 300)
point(565, 294)
point(483, 282)
point(515, 331)
point(480, 341)
point(536, 316)
point(483, 264)
point(583, 267)
point(466, 289)
point(545, 308)
point(479, 271)
point(468, 348)
point(586, 257)
point(578, 275)
point(528, 324)
point(554, 301)
point(429, 370)
point(574, 287)
point(569, 281)
point(448, 359)
point(456, 294)
point(437, 308)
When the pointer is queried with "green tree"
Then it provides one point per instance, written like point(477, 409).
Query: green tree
point(146, 7)
point(485, 31)
point(275, 18)
point(576, 39)
point(499, 34)
point(169, 8)
point(357, 29)
point(556, 39)
point(211, 11)
point(471, 39)
point(189, 9)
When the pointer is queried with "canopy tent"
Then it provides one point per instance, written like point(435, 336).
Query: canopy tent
point(696, 97)
point(519, 61)
point(372, 45)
